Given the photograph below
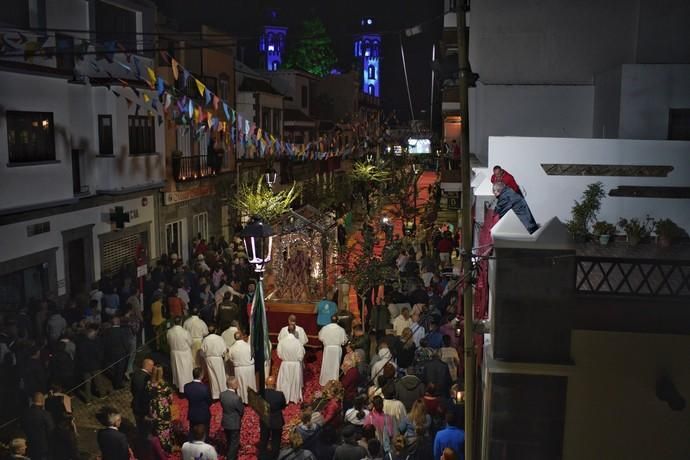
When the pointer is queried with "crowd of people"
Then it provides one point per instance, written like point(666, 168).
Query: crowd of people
point(390, 382)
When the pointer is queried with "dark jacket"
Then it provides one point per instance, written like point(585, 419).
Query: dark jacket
point(34, 377)
point(113, 444)
point(233, 409)
point(140, 397)
point(89, 355)
point(61, 368)
point(276, 403)
point(436, 372)
point(38, 426)
point(199, 396)
point(116, 342)
point(409, 389)
point(347, 451)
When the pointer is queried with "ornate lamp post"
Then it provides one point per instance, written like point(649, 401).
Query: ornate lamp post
point(258, 240)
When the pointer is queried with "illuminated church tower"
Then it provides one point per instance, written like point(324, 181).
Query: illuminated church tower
point(272, 43)
point(367, 52)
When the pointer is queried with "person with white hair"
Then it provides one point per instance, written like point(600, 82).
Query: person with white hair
point(507, 199)
point(290, 377)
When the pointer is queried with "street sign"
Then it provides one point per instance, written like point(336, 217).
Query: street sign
point(142, 270)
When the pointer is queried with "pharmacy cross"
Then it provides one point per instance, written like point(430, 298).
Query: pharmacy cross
point(119, 217)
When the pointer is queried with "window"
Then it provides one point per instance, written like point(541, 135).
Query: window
point(184, 140)
point(23, 286)
point(30, 136)
point(305, 97)
point(372, 72)
point(64, 55)
point(116, 24)
point(274, 65)
point(679, 125)
point(142, 135)
point(105, 134)
point(370, 89)
point(223, 87)
point(200, 225)
point(16, 14)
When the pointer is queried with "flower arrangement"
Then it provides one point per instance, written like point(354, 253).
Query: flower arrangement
point(259, 200)
point(604, 231)
point(636, 230)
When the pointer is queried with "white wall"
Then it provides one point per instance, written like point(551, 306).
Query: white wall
point(15, 243)
point(550, 196)
point(612, 412)
point(31, 184)
point(647, 94)
point(555, 41)
point(527, 110)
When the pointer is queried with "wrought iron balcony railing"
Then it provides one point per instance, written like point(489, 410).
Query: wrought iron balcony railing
point(633, 277)
point(187, 168)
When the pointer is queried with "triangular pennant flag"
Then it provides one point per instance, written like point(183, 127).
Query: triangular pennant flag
point(185, 76)
point(123, 82)
point(168, 101)
point(207, 96)
point(225, 109)
point(233, 117)
point(152, 75)
point(160, 86)
point(154, 106)
point(216, 101)
point(116, 93)
point(146, 98)
point(124, 66)
point(165, 56)
point(190, 108)
point(173, 64)
point(201, 87)
point(136, 91)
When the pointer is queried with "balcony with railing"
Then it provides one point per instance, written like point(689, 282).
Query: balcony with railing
point(193, 167)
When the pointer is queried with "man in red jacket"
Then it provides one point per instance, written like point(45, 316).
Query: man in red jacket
point(501, 175)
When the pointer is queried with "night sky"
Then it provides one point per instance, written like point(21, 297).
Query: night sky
point(244, 19)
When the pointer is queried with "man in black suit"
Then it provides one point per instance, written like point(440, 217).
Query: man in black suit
point(198, 395)
point(140, 397)
point(274, 430)
point(38, 426)
point(233, 409)
point(116, 342)
point(111, 441)
point(89, 361)
point(436, 372)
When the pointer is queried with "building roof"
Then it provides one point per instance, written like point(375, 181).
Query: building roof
point(255, 85)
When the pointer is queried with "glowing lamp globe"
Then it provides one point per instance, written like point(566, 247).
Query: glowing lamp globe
point(258, 239)
point(271, 176)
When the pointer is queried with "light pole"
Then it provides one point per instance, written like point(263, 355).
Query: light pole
point(258, 240)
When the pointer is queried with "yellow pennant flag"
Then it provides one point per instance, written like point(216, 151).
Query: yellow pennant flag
point(196, 115)
point(173, 63)
point(146, 97)
point(201, 87)
point(273, 139)
point(152, 75)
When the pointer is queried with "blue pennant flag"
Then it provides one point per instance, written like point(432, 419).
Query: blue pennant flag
point(207, 96)
point(160, 86)
point(137, 70)
point(185, 76)
point(225, 109)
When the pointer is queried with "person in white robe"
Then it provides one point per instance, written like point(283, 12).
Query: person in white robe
point(213, 349)
point(384, 357)
point(402, 321)
point(241, 357)
point(181, 358)
point(229, 334)
point(198, 330)
point(292, 326)
point(290, 376)
point(333, 338)
point(220, 293)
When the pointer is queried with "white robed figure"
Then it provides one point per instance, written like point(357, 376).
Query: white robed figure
point(298, 331)
point(290, 376)
point(241, 357)
point(198, 330)
point(333, 338)
point(213, 349)
point(181, 358)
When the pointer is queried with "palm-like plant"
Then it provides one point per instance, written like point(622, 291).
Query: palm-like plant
point(259, 200)
point(367, 173)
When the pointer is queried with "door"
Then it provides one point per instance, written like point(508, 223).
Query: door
point(176, 238)
point(77, 267)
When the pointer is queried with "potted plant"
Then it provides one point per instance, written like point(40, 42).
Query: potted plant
point(603, 231)
point(584, 212)
point(667, 232)
point(636, 230)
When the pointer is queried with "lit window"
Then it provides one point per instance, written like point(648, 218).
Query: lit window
point(271, 48)
point(372, 72)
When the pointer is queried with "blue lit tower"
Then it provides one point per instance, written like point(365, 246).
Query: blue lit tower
point(367, 52)
point(272, 43)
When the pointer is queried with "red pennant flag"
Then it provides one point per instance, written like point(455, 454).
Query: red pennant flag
point(216, 100)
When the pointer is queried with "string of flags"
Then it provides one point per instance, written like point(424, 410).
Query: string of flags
point(204, 113)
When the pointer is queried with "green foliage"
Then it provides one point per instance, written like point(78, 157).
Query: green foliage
point(584, 212)
point(364, 172)
point(666, 228)
point(603, 228)
point(313, 51)
point(259, 200)
point(635, 229)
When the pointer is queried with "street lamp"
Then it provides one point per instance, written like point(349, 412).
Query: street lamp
point(270, 175)
point(370, 158)
point(258, 241)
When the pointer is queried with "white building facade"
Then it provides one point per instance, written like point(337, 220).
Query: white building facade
point(80, 150)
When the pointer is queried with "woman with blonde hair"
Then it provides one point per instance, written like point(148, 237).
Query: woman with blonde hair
point(418, 418)
point(160, 403)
